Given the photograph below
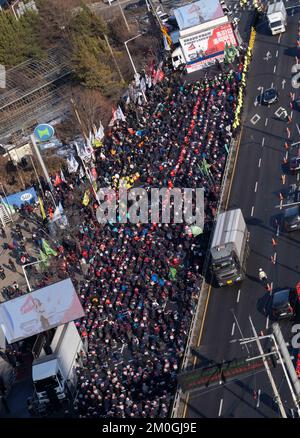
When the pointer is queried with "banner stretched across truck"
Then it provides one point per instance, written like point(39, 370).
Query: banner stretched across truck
point(207, 45)
point(40, 311)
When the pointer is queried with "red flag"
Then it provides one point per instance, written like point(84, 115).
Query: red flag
point(57, 180)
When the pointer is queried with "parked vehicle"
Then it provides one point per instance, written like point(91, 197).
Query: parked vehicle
point(291, 214)
point(284, 304)
point(54, 375)
point(229, 248)
point(277, 17)
point(294, 162)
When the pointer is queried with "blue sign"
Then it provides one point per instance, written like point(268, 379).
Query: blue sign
point(44, 132)
point(28, 196)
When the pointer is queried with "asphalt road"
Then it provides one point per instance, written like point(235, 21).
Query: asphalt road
point(255, 189)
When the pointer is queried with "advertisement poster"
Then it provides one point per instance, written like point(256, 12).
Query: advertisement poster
point(40, 310)
point(208, 44)
point(28, 196)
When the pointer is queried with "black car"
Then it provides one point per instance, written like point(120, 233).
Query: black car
point(296, 104)
point(291, 218)
point(269, 96)
point(284, 304)
point(133, 6)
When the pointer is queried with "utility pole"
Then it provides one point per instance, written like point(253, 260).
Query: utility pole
point(78, 118)
point(123, 15)
point(114, 58)
point(272, 382)
point(132, 63)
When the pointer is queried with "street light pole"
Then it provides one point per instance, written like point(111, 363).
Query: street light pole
point(131, 60)
point(25, 275)
point(43, 166)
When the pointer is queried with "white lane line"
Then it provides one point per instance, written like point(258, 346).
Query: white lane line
point(298, 176)
point(233, 328)
point(252, 210)
point(274, 70)
point(256, 184)
point(298, 128)
point(238, 296)
point(279, 38)
point(259, 162)
point(292, 113)
point(272, 85)
point(266, 122)
point(263, 141)
point(220, 408)
point(277, 53)
point(258, 398)
point(267, 322)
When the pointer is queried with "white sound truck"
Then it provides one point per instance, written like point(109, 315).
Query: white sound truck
point(229, 248)
point(277, 17)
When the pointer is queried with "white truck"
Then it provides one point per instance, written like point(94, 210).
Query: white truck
point(54, 375)
point(229, 248)
point(203, 43)
point(277, 17)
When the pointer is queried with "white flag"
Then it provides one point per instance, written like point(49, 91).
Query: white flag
point(143, 85)
point(72, 164)
point(100, 133)
point(148, 81)
point(137, 79)
point(81, 173)
point(120, 115)
point(62, 176)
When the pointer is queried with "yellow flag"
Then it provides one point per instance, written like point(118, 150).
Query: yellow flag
point(86, 198)
point(42, 208)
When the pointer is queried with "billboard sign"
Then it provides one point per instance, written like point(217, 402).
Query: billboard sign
point(207, 44)
point(44, 132)
point(40, 310)
point(197, 13)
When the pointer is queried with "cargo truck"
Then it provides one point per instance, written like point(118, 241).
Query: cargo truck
point(54, 375)
point(277, 17)
point(229, 248)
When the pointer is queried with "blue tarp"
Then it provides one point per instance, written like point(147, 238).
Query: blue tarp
point(27, 196)
point(197, 13)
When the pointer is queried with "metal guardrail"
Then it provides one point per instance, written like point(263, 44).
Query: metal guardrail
point(186, 356)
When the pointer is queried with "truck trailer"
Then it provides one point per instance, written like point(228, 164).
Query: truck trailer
point(204, 31)
point(229, 248)
point(277, 17)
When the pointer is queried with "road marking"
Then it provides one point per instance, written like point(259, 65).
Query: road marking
point(271, 288)
point(298, 176)
point(238, 296)
point(283, 83)
point(272, 85)
point(220, 408)
point(267, 322)
point(255, 119)
point(233, 328)
point(258, 398)
point(277, 231)
point(256, 184)
point(274, 69)
point(259, 162)
point(263, 141)
point(252, 210)
point(280, 111)
point(297, 126)
point(277, 53)
point(268, 56)
point(279, 38)
point(266, 122)
point(292, 113)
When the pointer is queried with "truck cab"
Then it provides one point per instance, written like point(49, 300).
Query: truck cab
point(48, 380)
point(177, 58)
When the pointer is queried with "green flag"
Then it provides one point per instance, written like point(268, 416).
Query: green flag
point(196, 230)
point(204, 167)
point(173, 273)
point(47, 249)
point(43, 259)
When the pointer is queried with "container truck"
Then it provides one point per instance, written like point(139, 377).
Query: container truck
point(277, 17)
point(54, 375)
point(229, 248)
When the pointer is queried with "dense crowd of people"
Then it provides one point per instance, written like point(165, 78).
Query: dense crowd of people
point(139, 283)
